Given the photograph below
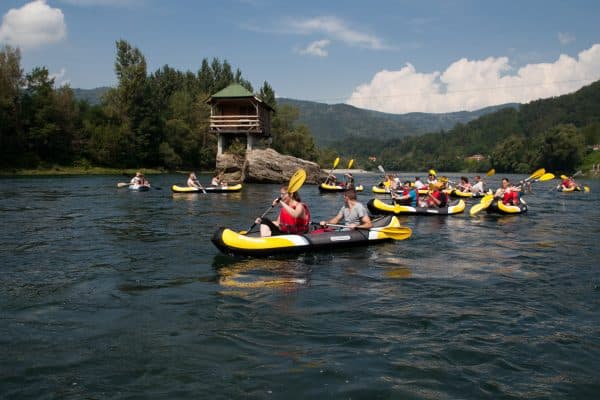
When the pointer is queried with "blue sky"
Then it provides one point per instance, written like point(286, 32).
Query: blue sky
point(392, 56)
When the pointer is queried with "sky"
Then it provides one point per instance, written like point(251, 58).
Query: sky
point(390, 56)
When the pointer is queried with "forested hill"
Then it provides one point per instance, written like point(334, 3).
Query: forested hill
point(92, 96)
point(556, 133)
point(330, 123)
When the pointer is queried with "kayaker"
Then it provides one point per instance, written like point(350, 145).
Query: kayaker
point(568, 183)
point(409, 197)
point(215, 181)
point(436, 198)
point(431, 179)
point(139, 179)
point(508, 193)
point(349, 181)
point(464, 185)
point(331, 180)
point(478, 186)
point(418, 184)
point(294, 216)
point(193, 181)
point(354, 213)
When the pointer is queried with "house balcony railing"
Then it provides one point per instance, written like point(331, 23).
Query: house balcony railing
point(236, 124)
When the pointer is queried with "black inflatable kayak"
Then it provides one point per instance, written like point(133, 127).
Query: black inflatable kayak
point(234, 243)
point(377, 206)
point(498, 207)
point(207, 189)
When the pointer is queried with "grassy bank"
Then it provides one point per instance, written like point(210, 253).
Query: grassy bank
point(56, 170)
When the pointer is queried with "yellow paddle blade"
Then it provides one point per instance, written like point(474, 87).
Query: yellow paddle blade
point(490, 172)
point(397, 232)
point(537, 174)
point(336, 162)
point(546, 177)
point(296, 181)
point(475, 209)
point(350, 163)
point(432, 172)
point(485, 202)
point(586, 188)
point(563, 177)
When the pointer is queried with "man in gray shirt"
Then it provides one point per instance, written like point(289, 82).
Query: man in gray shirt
point(353, 213)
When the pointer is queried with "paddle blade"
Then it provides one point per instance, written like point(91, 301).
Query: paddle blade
point(586, 188)
point(350, 163)
point(397, 232)
point(485, 202)
point(122, 184)
point(336, 162)
point(563, 177)
point(490, 172)
point(475, 209)
point(536, 174)
point(432, 172)
point(546, 177)
point(296, 181)
point(381, 169)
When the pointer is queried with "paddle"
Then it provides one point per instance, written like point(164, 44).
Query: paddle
point(482, 205)
point(380, 168)
point(123, 184)
point(491, 172)
point(335, 164)
point(394, 232)
point(350, 163)
point(296, 182)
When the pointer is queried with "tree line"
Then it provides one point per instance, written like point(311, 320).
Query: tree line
point(161, 120)
point(152, 120)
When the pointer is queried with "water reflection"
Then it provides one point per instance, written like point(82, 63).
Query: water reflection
point(260, 273)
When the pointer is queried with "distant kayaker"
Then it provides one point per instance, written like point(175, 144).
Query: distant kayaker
point(431, 179)
point(508, 193)
point(193, 181)
point(568, 183)
point(354, 213)
point(478, 186)
point(418, 184)
point(437, 198)
point(215, 181)
point(139, 179)
point(294, 216)
point(464, 185)
point(409, 197)
point(349, 181)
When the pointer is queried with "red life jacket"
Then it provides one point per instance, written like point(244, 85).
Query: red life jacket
point(511, 197)
point(289, 224)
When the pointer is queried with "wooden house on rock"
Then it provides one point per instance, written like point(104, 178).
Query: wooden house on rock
point(235, 113)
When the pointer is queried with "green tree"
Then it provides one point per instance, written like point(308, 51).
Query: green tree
point(560, 149)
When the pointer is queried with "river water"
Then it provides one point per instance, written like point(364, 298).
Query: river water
point(108, 293)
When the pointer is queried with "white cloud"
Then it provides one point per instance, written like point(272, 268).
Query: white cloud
point(565, 37)
point(470, 85)
point(59, 78)
point(316, 48)
point(335, 29)
point(33, 25)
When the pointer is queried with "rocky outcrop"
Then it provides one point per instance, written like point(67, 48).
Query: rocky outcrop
point(230, 166)
point(266, 166)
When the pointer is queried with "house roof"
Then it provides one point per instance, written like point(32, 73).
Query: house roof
point(235, 91)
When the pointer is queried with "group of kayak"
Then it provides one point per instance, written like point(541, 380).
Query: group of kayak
point(293, 230)
point(217, 185)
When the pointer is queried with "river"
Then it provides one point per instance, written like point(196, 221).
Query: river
point(108, 293)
